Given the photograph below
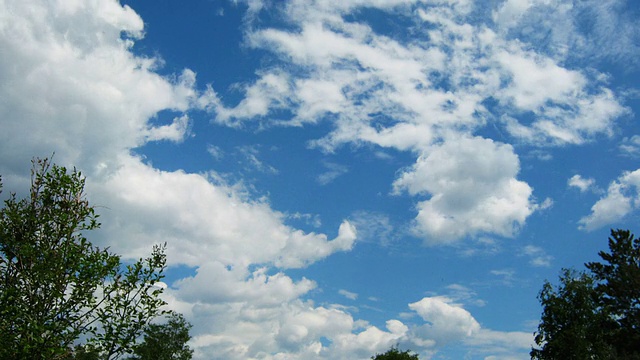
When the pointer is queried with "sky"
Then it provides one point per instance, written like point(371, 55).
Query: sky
point(333, 178)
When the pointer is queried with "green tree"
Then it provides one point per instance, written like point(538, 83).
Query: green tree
point(167, 341)
point(595, 314)
point(395, 354)
point(618, 288)
point(56, 287)
point(572, 325)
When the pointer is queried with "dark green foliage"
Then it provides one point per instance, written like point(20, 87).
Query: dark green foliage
point(596, 314)
point(618, 287)
point(395, 354)
point(56, 287)
point(166, 341)
point(571, 319)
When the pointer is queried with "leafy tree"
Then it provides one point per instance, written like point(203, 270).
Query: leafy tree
point(572, 322)
point(56, 287)
point(595, 314)
point(166, 341)
point(619, 291)
point(395, 354)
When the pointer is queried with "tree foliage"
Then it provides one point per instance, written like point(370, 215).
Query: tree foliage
point(618, 287)
point(570, 314)
point(167, 341)
point(395, 354)
point(57, 288)
point(594, 314)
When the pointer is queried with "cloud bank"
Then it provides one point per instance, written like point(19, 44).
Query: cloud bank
point(72, 84)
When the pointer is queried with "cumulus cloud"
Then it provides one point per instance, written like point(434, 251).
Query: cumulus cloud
point(472, 188)
point(268, 93)
point(202, 221)
point(621, 198)
point(71, 85)
point(581, 183)
point(425, 95)
point(215, 282)
point(446, 320)
point(176, 131)
point(290, 330)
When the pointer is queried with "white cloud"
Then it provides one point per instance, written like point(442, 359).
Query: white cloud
point(535, 80)
point(538, 257)
point(587, 31)
point(510, 12)
point(420, 94)
point(506, 276)
point(369, 341)
point(566, 108)
point(621, 198)
point(333, 172)
point(196, 212)
point(215, 151)
point(216, 283)
point(251, 155)
point(374, 227)
point(71, 85)
point(581, 183)
point(631, 145)
point(501, 344)
point(175, 132)
point(317, 97)
point(269, 92)
point(291, 330)
point(472, 188)
point(459, 292)
point(447, 321)
point(348, 294)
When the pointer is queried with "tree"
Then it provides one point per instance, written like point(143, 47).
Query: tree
point(56, 287)
point(572, 322)
point(166, 341)
point(595, 314)
point(395, 354)
point(619, 291)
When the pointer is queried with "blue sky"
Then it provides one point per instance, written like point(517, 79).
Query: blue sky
point(336, 177)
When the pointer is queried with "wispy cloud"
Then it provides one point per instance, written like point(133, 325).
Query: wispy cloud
point(333, 171)
point(631, 146)
point(348, 294)
point(250, 158)
point(538, 257)
point(215, 151)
